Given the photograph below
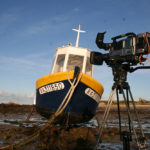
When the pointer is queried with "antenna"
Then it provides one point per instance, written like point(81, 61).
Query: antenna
point(78, 35)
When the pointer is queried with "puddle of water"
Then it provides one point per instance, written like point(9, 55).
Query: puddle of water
point(40, 121)
point(111, 146)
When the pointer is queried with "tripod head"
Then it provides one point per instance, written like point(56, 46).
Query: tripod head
point(120, 71)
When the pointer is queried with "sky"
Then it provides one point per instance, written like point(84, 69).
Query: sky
point(31, 30)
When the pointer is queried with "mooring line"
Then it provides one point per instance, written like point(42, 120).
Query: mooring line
point(61, 108)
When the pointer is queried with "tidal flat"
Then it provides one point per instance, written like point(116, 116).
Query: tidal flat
point(15, 127)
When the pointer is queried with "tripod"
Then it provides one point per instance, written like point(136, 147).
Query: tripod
point(122, 87)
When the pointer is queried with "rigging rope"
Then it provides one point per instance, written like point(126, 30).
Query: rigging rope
point(61, 108)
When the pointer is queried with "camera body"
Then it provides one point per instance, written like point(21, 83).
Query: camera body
point(132, 45)
point(128, 50)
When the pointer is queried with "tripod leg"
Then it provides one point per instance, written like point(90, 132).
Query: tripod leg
point(129, 121)
point(144, 143)
point(119, 116)
point(105, 116)
point(136, 112)
point(126, 136)
point(109, 103)
point(129, 115)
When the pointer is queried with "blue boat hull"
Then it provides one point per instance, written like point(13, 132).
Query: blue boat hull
point(81, 107)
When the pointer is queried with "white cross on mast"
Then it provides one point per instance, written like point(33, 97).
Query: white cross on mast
point(78, 35)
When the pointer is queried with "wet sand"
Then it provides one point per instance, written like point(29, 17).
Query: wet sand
point(55, 137)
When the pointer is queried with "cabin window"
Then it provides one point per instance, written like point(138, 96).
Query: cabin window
point(88, 69)
point(59, 63)
point(74, 60)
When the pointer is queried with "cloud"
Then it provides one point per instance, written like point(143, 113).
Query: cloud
point(11, 17)
point(76, 9)
point(26, 64)
point(7, 19)
point(12, 60)
point(50, 24)
point(6, 97)
point(38, 28)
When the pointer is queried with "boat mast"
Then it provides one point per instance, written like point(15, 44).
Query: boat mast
point(78, 34)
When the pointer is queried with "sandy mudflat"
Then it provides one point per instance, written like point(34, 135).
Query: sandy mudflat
point(55, 137)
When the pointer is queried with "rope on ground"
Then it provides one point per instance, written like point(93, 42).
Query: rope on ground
point(61, 108)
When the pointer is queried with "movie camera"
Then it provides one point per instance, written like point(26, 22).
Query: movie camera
point(123, 54)
point(129, 50)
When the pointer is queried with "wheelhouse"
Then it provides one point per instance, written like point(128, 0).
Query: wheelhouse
point(66, 58)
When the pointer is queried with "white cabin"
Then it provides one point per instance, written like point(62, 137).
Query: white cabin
point(67, 57)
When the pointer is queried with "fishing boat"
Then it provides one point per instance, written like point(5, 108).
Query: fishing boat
point(70, 62)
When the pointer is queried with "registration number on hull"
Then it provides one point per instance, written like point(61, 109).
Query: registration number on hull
point(51, 87)
point(92, 94)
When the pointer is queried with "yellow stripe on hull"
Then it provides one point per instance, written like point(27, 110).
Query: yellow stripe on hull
point(60, 76)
